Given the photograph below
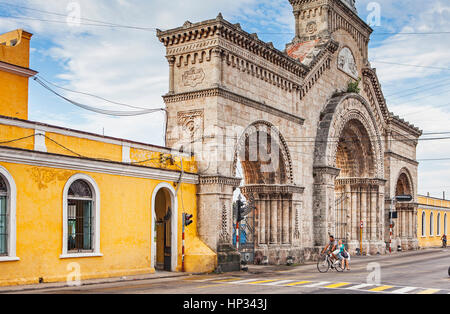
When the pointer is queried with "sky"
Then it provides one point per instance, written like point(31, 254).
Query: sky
point(127, 65)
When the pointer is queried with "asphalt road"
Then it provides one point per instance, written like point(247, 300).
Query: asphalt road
point(422, 272)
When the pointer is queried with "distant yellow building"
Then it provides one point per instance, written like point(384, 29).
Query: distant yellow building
point(433, 220)
point(71, 200)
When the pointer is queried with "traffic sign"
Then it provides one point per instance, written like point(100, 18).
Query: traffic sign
point(404, 198)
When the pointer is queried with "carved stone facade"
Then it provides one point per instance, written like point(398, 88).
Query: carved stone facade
point(316, 159)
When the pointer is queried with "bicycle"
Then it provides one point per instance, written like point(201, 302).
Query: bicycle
point(325, 263)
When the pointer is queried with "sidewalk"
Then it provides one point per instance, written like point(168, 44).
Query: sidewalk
point(57, 285)
point(261, 269)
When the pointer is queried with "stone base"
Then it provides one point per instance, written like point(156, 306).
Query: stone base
point(228, 259)
point(278, 255)
point(368, 247)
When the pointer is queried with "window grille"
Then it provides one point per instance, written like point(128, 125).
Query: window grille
point(80, 218)
point(4, 218)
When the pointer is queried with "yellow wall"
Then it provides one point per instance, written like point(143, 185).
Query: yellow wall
point(13, 87)
point(440, 206)
point(125, 228)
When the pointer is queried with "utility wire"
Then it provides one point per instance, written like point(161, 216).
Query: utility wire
point(97, 110)
point(87, 94)
point(81, 18)
point(411, 65)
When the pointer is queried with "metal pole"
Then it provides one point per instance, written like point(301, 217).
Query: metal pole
point(182, 244)
point(390, 226)
point(237, 235)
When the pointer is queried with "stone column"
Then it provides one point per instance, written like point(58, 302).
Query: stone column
point(279, 218)
point(262, 220)
point(297, 23)
point(217, 54)
point(273, 218)
point(268, 218)
point(355, 208)
point(348, 211)
point(285, 224)
point(323, 201)
point(373, 213)
point(171, 61)
point(364, 211)
point(214, 221)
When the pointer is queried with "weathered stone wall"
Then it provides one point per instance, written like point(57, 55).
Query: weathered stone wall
point(223, 80)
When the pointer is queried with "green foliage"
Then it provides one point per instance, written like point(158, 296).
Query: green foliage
point(353, 87)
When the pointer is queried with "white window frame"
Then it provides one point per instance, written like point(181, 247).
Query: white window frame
point(438, 225)
point(174, 225)
point(445, 224)
point(431, 224)
point(424, 224)
point(11, 209)
point(96, 208)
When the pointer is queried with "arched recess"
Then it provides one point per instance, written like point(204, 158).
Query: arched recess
point(262, 149)
point(267, 169)
point(349, 173)
point(171, 193)
point(406, 212)
point(404, 184)
point(335, 118)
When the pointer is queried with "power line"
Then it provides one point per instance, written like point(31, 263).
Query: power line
point(91, 95)
point(97, 110)
point(84, 24)
point(411, 65)
point(81, 18)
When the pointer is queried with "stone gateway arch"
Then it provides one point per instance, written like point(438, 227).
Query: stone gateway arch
point(291, 131)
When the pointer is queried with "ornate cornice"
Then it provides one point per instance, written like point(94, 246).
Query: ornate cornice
point(361, 181)
point(218, 179)
point(272, 189)
point(220, 92)
point(192, 33)
point(406, 126)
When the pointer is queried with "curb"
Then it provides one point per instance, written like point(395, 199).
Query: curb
point(90, 282)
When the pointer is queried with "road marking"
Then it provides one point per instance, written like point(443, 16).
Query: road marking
point(429, 291)
point(404, 290)
point(277, 283)
point(243, 281)
point(338, 285)
point(212, 286)
point(210, 279)
point(381, 288)
point(258, 282)
point(227, 280)
point(361, 286)
point(297, 283)
point(317, 284)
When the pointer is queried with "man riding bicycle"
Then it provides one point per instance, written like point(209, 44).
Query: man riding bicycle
point(332, 248)
point(444, 240)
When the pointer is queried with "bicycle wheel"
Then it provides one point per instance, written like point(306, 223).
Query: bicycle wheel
point(338, 267)
point(323, 265)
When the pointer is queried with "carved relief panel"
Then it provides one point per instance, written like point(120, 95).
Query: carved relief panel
point(347, 63)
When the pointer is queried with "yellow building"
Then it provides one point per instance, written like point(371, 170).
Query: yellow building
point(433, 220)
point(74, 201)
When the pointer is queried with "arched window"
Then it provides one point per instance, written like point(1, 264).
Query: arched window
point(438, 224)
point(4, 218)
point(431, 224)
point(7, 217)
point(80, 218)
point(424, 221)
point(445, 224)
point(81, 229)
